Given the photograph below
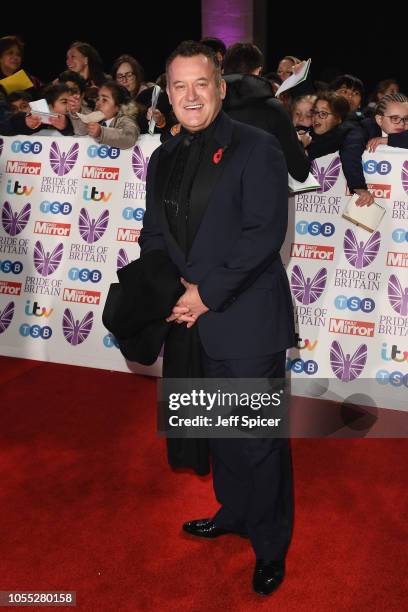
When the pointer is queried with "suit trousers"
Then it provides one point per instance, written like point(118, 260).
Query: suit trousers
point(252, 477)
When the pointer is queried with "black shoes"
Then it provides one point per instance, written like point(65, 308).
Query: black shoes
point(268, 575)
point(206, 528)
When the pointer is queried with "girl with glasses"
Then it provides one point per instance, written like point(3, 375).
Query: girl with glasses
point(389, 126)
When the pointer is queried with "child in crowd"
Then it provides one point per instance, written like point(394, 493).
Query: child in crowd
point(301, 111)
point(118, 128)
point(389, 126)
point(19, 102)
point(57, 100)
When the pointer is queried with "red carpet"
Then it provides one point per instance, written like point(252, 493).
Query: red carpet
point(89, 504)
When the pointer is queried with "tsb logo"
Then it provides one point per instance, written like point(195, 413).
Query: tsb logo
point(298, 366)
point(7, 266)
point(56, 208)
point(354, 303)
point(400, 235)
point(396, 379)
point(110, 341)
point(103, 151)
point(373, 167)
point(26, 146)
point(315, 228)
point(133, 213)
point(35, 331)
point(84, 275)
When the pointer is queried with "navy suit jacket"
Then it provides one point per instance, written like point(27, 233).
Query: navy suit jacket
point(243, 204)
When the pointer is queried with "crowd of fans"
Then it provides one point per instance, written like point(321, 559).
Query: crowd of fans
point(310, 120)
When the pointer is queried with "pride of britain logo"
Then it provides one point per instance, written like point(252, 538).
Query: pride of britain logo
point(307, 290)
point(46, 262)
point(398, 296)
point(404, 176)
point(6, 316)
point(15, 222)
point(326, 177)
point(139, 163)
point(76, 331)
point(345, 366)
point(361, 254)
point(62, 162)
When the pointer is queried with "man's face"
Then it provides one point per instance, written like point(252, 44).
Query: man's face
point(193, 91)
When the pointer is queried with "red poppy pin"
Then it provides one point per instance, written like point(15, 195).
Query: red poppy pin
point(218, 155)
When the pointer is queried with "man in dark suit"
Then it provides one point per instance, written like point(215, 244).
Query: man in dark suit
point(217, 201)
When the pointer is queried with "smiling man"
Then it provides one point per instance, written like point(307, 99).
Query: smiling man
point(217, 202)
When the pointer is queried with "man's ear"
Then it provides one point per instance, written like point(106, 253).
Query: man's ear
point(168, 94)
point(223, 89)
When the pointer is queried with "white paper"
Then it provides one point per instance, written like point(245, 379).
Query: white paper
point(94, 117)
point(155, 97)
point(309, 184)
point(294, 79)
point(40, 106)
point(367, 217)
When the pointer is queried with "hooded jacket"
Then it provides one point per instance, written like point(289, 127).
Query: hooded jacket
point(249, 99)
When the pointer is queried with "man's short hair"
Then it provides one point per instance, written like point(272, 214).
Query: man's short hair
point(216, 44)
point(242, 58)
point(191, 48)
point(349, 81)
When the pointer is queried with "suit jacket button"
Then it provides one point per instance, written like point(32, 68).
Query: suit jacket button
point(189, 264)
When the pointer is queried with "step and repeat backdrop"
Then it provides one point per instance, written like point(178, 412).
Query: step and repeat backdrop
point(71, 215)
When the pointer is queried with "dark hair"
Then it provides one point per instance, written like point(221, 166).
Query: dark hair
point(74, 77)
point(52, 92)
point(6, 42)
point(19, 95)
point(349, 81)
point(95, 66)
point(216, 44)
point(120, 94)
point(191, 48)
point(242, 58)
point(338, 104)
point(383, 86)
point(382, 104)
point(136, 68)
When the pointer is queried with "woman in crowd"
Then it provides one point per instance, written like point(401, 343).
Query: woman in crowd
point(118, 128)
point(128, 72)
point(11, 59)
point(84, 59)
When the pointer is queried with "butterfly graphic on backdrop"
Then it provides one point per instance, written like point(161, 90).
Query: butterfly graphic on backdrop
point(92, 229)
point(122, 259)
point(62, 162)
point(347, 367)
point(404, 176)
point(47, 262)
point(139, 163)
point(326, 177)
point(307, 290)
point(76, 332)
point(361, 254)
point(398, 296)
point(6, 316)
point(15, 222)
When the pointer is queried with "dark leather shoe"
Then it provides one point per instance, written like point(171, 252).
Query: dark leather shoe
point(206, 528)
point(268, 575)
